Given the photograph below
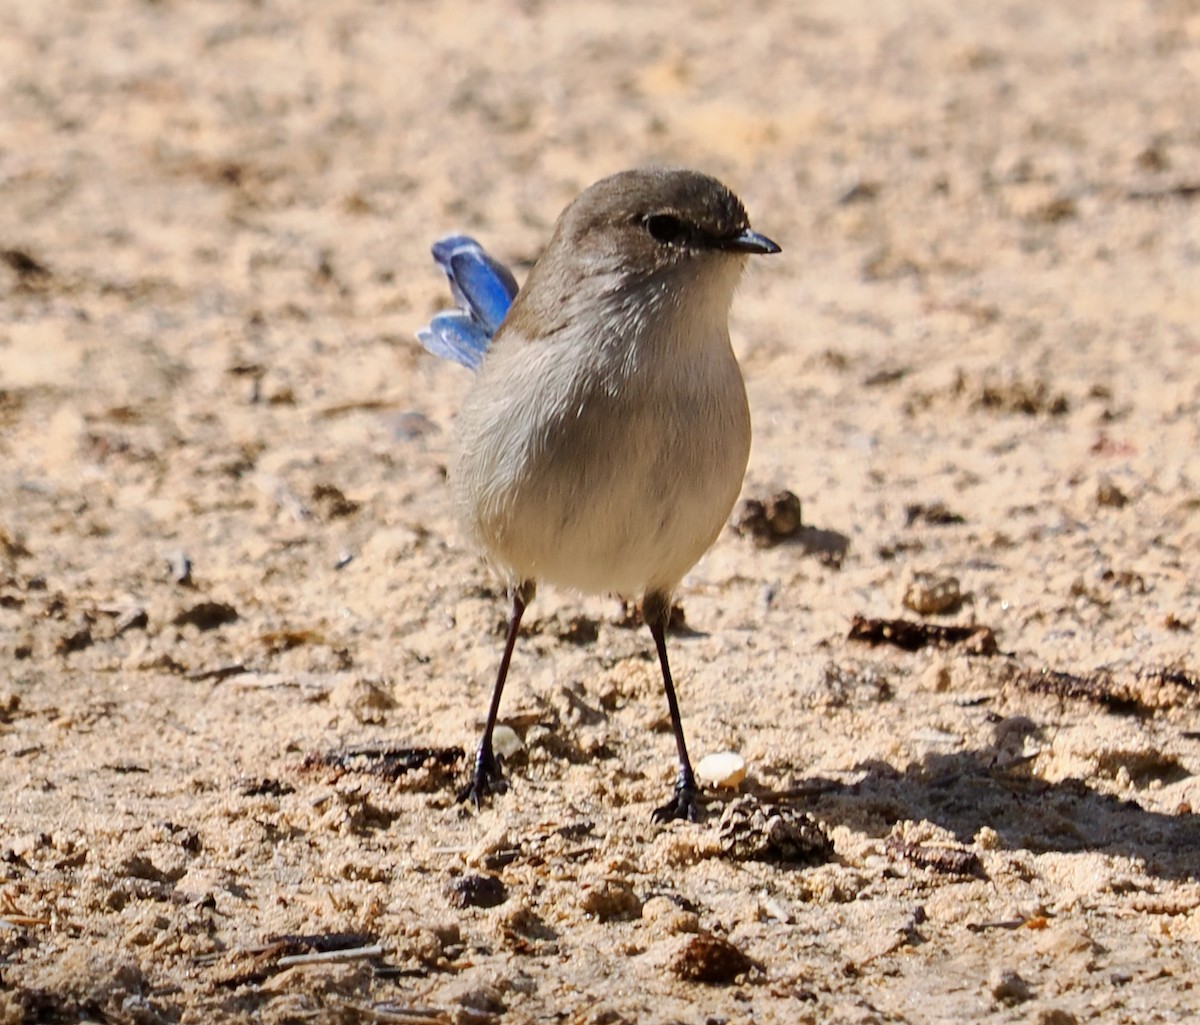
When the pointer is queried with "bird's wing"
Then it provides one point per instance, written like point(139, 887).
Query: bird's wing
point(482, 287)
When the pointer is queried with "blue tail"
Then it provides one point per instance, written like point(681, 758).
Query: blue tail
point(484, 290)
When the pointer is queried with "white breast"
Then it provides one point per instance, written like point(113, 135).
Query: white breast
point(608, 461)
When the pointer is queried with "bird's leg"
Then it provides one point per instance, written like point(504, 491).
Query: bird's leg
point(656, 611)
point(487, 778)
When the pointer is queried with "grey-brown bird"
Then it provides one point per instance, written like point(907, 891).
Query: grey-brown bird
point(605, 439)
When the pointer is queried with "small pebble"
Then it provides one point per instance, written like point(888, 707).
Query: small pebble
point(724, 769)
point(181, 567)
point(1008, 987)
point(929, 595)
point(505, 742)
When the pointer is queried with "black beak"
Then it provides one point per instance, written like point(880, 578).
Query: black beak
point(748, 241)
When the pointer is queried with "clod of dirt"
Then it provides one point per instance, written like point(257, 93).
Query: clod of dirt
point(1108, 494)
point(104, 988)
point(710, 959)
point(523, 931)
point(431, 945)
point(1144, 691)
point(477, 1004)
point(934, 514)
point(1018, 396)
point(611, 900)
point(264, 786)
point(575, 629)
point(751, 831)
point(332, 503)
point(384, 761)
point(631, 617)
point(1053, 211)
point(138, 866)
point(886, 376)
point(668, 918)
point(768, 521)
point(1030, 398)
point(1172, 621)
point(12, 546)
point(365, 701)
point(206, 615)
point(75, 640)
point(910, 636)
point(476, 891)
point(29, 269)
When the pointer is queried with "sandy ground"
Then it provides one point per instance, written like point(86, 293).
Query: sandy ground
point(227, 561)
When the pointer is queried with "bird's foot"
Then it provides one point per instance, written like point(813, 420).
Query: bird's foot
point(683, 804)
point(486, 779)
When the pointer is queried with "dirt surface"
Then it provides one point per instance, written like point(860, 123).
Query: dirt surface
point(233, 600)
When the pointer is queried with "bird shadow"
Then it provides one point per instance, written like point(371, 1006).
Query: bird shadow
point(965, 791)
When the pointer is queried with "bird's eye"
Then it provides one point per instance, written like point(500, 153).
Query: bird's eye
point(666, 229)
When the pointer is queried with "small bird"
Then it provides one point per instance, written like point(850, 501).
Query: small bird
point(605, 439)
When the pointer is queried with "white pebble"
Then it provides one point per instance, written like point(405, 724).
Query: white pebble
point(724, 769)
point(505, 741)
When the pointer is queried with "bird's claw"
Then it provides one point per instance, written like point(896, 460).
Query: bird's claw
point(683, 804)
point(486, 779)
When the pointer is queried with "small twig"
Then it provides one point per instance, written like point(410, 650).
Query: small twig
point(396, 1014)
point(24, 919)
point(326, 956)
point(17, 920)
point(1011, 923)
